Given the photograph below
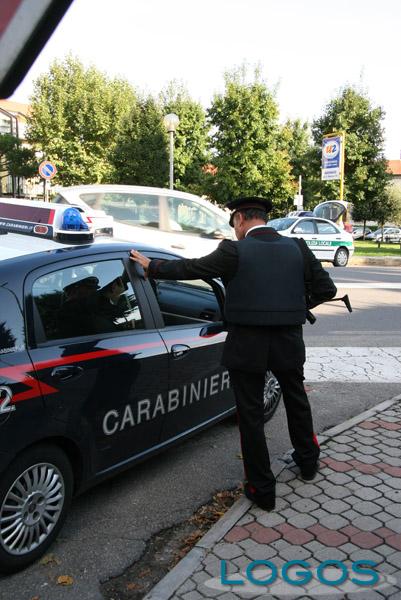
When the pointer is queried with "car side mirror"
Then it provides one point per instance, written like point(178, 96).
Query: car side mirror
point(212, 329)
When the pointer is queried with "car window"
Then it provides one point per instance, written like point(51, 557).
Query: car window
point(12, 333)
point(184, 302)
point(131, 209)
point(325, 228)
point(87, 299)
point(187, 215)
point(304, 227)
point(281, 224)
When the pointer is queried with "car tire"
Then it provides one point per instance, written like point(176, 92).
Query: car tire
point(35, 493)
point(271, 396)
point(341, 257)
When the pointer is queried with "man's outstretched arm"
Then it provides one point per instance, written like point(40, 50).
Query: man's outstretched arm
point(220, 263)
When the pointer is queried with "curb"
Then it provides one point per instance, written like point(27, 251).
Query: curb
point(383, 261)
point(170, 583)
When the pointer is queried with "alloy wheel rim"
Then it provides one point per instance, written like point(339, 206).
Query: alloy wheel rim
point(31, 509)
point(271, 392)
point(342, 257)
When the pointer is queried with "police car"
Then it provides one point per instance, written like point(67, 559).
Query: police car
point(327, 241)
point(100, 368)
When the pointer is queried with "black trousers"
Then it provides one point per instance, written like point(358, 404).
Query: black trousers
point(248, 390)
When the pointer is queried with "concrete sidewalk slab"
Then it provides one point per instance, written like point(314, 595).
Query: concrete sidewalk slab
point(350, 512)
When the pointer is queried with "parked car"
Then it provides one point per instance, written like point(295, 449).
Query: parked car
point(177, 221)
point(326, 240)
point(100, 368)
point(392, 235)
point(358, 233)
point(376, 234)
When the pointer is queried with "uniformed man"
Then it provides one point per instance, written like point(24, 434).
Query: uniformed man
point(264, 274)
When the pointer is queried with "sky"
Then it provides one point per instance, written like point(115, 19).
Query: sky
point(307, 49)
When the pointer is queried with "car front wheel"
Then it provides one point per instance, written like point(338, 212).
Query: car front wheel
point(35, 493)
point(271, 396)
point(341, 257)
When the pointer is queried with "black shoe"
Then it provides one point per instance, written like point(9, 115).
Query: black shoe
point(266, 502)
point(309, 473)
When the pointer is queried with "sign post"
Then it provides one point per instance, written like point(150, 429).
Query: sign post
point(47, 171)
point(333, 157)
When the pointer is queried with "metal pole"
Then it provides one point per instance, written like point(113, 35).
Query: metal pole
point(171, 133)
point(342, 165)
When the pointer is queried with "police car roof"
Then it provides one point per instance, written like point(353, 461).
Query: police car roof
point(15, 247)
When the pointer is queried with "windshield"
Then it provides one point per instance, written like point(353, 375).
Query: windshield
point(281, 224)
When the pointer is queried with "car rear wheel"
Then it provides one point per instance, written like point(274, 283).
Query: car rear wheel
point(271, 396)
point(341, 257)
point(35, 493)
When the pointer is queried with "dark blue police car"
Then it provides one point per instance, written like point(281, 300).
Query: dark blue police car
point(99, 369)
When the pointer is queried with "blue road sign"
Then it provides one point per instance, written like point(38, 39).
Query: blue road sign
point(47, 170)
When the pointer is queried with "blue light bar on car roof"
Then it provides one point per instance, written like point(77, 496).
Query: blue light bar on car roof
point(43, 219)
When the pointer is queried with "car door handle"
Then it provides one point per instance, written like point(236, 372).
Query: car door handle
point(208, 315)
point(179, 350)
point(67, 373)
point(314, 238)
point(178, 246)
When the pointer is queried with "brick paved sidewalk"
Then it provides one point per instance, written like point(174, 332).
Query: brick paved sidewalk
point(350, 512)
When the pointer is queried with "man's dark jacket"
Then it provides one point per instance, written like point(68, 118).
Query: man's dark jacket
point(266, 300)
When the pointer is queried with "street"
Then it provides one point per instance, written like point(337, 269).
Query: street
point(108, 527)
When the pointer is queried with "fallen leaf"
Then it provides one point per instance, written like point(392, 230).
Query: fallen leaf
point(65, 580)
point(133, 586)
point(50, 559)
point(144, 573)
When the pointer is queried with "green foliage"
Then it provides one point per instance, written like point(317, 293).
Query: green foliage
point(296, 141)
point(141, 153)
point(15, 159)
point(246, 143)
point(389, 208)
point(77, 114)
point(365, 165)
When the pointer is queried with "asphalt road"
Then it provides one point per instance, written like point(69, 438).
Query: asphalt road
point(107, 527)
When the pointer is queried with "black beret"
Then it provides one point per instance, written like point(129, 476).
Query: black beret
point(248, 202)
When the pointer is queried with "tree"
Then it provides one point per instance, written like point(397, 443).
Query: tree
point(296, 141)
point(77, 114)
point(16, 159)
point(365, 166)
point(191, 138)
point(246, 143)
point(140, 156)
point(389, 209)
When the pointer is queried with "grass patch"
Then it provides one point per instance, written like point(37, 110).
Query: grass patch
point(368, 248)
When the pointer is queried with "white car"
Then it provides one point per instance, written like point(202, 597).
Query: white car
point(391, 235)
point(177, 221)
point(327, 241)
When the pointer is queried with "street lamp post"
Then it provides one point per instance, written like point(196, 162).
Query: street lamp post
point(171, 122)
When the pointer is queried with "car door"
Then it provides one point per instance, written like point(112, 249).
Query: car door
point(198, 387)
point(96, 352)
point(22, 413)
point(329, 239)
point(306, 229)
point(195, 229)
